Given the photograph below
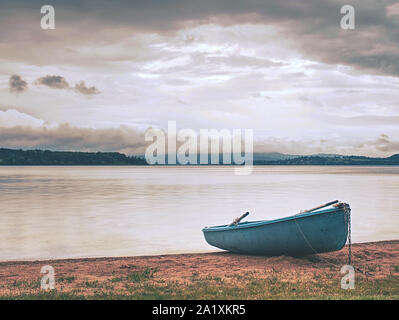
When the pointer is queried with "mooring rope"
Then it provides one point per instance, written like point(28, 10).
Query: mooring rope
point(347, 211)
point(347, 215)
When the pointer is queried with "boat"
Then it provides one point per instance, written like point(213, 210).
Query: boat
point(311, 231)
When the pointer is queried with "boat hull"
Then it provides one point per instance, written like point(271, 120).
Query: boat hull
point(298, 235)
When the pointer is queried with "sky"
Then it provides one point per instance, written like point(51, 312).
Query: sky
point(285, 69)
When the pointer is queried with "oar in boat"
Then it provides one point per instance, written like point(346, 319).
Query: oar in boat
point(237, 220)
point(319, 207)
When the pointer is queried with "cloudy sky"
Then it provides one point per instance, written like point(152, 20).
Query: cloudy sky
point(285, 69)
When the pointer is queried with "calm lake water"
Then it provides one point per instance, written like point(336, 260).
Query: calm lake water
point(58, 212)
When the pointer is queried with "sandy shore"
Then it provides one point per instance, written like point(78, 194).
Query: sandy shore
point(120, 276)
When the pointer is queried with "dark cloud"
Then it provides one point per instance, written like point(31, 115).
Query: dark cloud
point(17, 84)
point(55, 82)
point(58, 82)
point(67, 137)
point(385, 144)
point(130, 141)
point(313, 25)
point(81, 87)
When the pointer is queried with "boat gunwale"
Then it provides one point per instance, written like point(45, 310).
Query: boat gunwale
point(254, 224)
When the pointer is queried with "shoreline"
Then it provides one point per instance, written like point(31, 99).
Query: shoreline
point(162, 255)
point(210, 275)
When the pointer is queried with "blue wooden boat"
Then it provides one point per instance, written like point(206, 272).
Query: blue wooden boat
point(309, 232)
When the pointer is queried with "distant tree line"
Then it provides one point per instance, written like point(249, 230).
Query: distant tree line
point(331, 161)
point(61, 158)
point(58, 158)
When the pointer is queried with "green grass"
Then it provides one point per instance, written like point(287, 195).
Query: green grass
point(66, 279)
point(33, 284)
point(247, 286)
point(92, 284)
point(139, 276)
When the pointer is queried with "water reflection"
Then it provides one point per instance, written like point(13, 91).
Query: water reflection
point(54, 212)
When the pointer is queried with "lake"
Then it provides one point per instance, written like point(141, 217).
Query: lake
point(65, 212)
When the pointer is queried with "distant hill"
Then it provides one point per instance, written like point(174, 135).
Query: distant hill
point(268, 156)
point(334, 160)
point(326, 155)
point(272, 156)
point(58, 158)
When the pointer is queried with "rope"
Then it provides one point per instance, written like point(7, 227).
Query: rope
point(347, 212)
point(310, 246)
